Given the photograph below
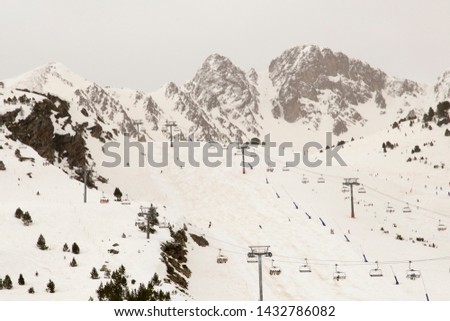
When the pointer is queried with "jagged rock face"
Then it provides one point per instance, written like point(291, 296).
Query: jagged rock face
point(222, 89)
point(37, 130)
point(442, 88)
point(304, 74)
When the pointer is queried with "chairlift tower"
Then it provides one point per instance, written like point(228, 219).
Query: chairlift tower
point(137, 123)
point(86, 171)
point(350, 182)
point(259, 251)
point(243, 147)
point(171, 124)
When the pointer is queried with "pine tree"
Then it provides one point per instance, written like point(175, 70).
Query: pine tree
point(50, 286)
point(41, 243)
point(118, 194)
point(31, 290)
point(26, 219)
point(21, 280)
point(447, 132)
point(1, 284)
point(75, 248)
point(65, 248)
point(94, 274)
point(73, 263)
point(7, 283)
point(18, 213)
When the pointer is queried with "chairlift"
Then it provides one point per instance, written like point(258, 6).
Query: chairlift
point(286, 168)
point(126, 201)
point(390, 209)
point(305, 268)
point(140, 221)
point(163, 224)
point(274, 270)
point(411, 273)
point(441, 227)
point(221, 259)
point(377, 272)
point(407, 209)
point(305, 180)
point(345, 189)
point(251, 258)
point(104, 200)
point(270, 169)
point(321, 180)
point(361, 190)
point(338, 275)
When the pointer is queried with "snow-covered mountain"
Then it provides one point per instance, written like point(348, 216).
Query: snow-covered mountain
point(308, 87)
point(54, 122)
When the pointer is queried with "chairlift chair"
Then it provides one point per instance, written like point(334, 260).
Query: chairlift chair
point(274, 270)
point(361, 190)
point(377, 272)
point(140, 222)
point(221, 259)
point(251, 258)
point(286, 168)
point(305, 180)
point(441, 227)
point(305, 268)
point(338, 275)
point(104, 200)
point(411, 273)
point(126, 201)
point(321, 180)
point(345, 189)
point(390, 209)
point(407, 209)
point(270, 169)
point(163, 224)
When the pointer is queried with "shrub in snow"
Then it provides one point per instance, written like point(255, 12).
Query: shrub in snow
point(65, 248)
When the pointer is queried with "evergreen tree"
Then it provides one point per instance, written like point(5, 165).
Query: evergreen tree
point(447, 132)
point(73, 263)
point(18, 213)
point(1, 284)
point(65, 248)
point(7, 283)
point(118, 194)
point(94, 274)
point(26, 219)
point(75, 248)
point(21, 280)
point(31, 290)
point(41, 243)
point(50, 286)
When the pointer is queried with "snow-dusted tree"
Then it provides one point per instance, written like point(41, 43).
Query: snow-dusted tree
point(26, 219)
point(7, 283)
point(65, 248)
point(73, 263)
point(94, 274)
point(41, 243)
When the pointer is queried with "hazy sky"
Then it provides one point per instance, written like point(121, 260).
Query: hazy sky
point(143, 44)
